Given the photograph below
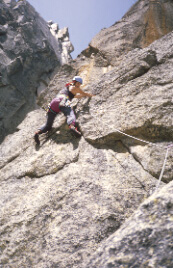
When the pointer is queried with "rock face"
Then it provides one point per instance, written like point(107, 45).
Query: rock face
point(146, 21)
point(145, 240)
point(29, 54)
point(90, 202)
point(62, 37)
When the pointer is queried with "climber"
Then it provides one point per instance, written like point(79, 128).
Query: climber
point(62, 104)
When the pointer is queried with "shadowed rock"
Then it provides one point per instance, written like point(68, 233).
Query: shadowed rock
point(29, 54)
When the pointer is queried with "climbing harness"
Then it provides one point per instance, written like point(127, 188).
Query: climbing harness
point(45, 108)
point(51, 110)
point(64, 101)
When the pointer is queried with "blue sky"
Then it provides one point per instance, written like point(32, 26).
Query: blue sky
point(84, 18)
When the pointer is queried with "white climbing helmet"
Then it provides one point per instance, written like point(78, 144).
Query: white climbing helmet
point(78, 79)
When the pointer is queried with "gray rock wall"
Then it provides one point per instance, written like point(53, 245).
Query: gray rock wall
point(145, 22)
point(61, 202)
point(62, 37)
point(89, 202)
point(145, 240)
point(29, 54)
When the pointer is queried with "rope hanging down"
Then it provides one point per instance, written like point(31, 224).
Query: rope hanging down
point(163, 167)
point(147, 142)
point(166, 155)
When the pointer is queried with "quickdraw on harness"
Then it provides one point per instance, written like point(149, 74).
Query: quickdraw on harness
point(47, 109)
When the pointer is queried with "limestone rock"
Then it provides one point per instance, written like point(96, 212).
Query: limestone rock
point(89, 202)
point(134, 93)
point(29, 54)
point(61, 206)
point(60, 201)
point(145, 240)
point(146, 21)
point(62, 36)
point(136, 99)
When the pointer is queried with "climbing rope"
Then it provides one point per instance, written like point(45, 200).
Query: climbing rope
point(132, 137)
point(98, 122)
point(96, 112)
point(163, 167)
point(165, 159)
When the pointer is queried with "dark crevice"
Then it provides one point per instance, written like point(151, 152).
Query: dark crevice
point(10, 160)
point(89, 51)
point(44, 82)
point(142, 185)
point(111, 142)
point(148, 133)
point(13, 157)
point(33, 175)
point(137, 160)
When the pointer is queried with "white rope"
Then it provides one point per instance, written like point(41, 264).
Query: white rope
point(147, 142)
point(166, 155)
point(135, 137)
point(163, 167)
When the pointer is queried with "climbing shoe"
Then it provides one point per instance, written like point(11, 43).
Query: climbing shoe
point(36, 138)
point(75, 131)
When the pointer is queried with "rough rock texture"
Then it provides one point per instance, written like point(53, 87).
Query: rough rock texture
point(62, 37)
point(136, 97)
point(59, 202)
point(29, 54)
point(146, 21)
point(68, 198)
point(145, 240)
